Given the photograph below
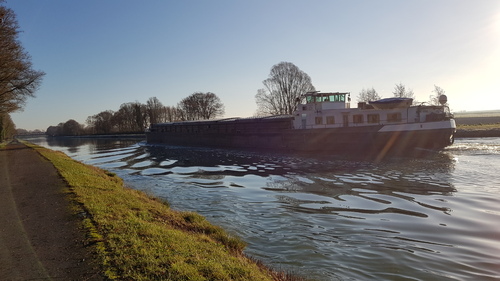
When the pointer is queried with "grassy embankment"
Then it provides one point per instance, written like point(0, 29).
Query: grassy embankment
point(478, 124)
point(138, 237)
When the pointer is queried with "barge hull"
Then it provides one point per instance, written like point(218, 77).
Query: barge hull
point(360, 140)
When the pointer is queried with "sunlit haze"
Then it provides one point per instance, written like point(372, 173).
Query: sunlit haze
point(100, 54)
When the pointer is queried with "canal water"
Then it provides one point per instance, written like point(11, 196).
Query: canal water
point(435, 217)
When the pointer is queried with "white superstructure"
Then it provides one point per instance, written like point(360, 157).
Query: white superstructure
point(332, 110)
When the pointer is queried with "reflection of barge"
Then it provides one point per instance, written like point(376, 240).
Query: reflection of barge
point(325, 123)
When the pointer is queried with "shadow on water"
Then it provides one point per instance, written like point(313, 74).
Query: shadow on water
point(310, 184)
point(302, 183)
point(268, 163)
point(96, 144)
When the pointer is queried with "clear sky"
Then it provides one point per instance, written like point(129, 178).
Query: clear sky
point(99, 54)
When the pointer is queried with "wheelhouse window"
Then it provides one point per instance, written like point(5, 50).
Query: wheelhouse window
point(319, 120)
point(326, 97)
point(373, 118)
point(330, 120)
point(358, 118)
point(394, 117)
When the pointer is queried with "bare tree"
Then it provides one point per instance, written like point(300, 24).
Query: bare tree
point(181, 112)
point(101, 123)
point(201, 106)
point(124, 118)
point(286, 83)
point(400, 91)
point(210, 106)
point(170, 114)
point(140, 116)
point(267, 104)
point(154, 110)
point(18, 80)
point(367, 95)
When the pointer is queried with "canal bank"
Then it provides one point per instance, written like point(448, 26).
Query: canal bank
point(477, 133)
point(39, 237)
point(131, 235)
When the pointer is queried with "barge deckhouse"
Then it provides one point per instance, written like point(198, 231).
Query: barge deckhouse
point(325, 123)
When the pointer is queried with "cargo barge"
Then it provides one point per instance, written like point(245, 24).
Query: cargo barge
point(323, 123)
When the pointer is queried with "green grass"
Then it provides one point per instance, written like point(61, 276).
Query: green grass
point(478, 126)
point(138, 237)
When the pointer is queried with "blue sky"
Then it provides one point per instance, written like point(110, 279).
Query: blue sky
point(100, 54)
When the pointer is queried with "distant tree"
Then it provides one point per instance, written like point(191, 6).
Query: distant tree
point(171, 114)
point(367, 95)
point(7, 127)
point(286, 83)
point(72, 128)
point(101, 123)
point(210, 105)
point(132, 117)
point(201, 106)
point(140, 116)
point(124, 118)
point(438, 92)
point(400, 91)
point(22, 132)
point(53, 131)
point(154, 109)
point(18, 80)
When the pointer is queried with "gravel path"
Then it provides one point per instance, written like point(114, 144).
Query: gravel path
point(39, 238)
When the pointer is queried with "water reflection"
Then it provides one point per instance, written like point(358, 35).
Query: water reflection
point(73, 144)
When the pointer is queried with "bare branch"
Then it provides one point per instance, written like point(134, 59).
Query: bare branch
point(201, 106)
point(285, 84)
point(18, 80)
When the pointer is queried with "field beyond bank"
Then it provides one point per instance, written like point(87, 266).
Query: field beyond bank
point(477, 125)
point(138, 237)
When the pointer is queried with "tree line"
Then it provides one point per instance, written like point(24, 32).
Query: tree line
point(280, 96)
point(134, 117)
point(400, 91)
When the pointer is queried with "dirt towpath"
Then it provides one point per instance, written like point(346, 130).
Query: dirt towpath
point(39, 237)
